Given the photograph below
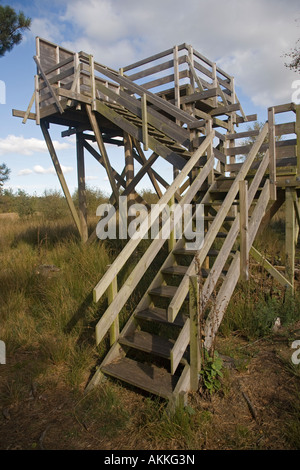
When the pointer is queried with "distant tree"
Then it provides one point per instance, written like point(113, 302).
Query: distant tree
point(294, 56)
point(4, 175)
point(12, 25)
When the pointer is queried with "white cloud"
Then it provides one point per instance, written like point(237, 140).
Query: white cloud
point(247, 38)
point(25, 172)
point(23, 146)
point(40, 170)
point(91, 178)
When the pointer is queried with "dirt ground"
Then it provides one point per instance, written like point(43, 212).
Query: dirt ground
point(255, 409)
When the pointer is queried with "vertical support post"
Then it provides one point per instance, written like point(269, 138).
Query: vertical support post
point(60, 175)
point(129, 166)
point(103, 152)
point(58, 70)
point(145, 121)
point(36, 85)
point(289, 235)
point(272, 154)
point(172, 238)
point(37, 100)
point(244, 234)
point(92, 79)
point(115, 327)
point(232, 120)
point(208, 129)
point(298, 137)
point(215, 82)
point(81, 187)
point(176, 81)
point(195, 362)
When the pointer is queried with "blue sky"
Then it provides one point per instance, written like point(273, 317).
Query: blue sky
point(247, 38)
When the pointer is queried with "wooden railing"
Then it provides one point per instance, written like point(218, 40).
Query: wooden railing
point(125, 291)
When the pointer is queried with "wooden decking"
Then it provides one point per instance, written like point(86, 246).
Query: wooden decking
point(181, 107)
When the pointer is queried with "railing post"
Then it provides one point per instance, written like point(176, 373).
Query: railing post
point(208, 130)
point(289, 235)
point(272, 153)
point(92, 78)
point(145, 121)
point(195, 362)
point(172, 238)
point(115, 328)
point(37, 100)
point(244, 234)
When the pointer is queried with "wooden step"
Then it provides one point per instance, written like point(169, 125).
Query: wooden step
point(164, 291)
point(176, 269)
point(211, 218)
point(149, 343)
point(153, 379)
point(159, 315)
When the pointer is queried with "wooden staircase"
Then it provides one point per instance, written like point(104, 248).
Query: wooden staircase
point(158, 349)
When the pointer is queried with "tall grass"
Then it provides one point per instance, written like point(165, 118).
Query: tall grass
point(50, 310)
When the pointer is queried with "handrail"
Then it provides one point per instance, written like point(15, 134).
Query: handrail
point(117, 265)
point(182, 291)
point(120, 299)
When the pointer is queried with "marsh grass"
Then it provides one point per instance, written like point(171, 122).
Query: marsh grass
point(47, 321)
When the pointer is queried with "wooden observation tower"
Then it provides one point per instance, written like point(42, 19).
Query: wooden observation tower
point(180, 106)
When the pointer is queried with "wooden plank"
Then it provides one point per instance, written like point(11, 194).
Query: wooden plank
point(297, 208)
point(60, 175)
point(199, 96)
point(59, 65)
point(20, 114)
point(270, 268)
point(180, 346)
point(285, 128)
point(224, 109)
point(56, 78)
point(195, 361)
point(81, 188)
point(152, 58)
point(244, 238)
point(272, 153)
point(27, 112)
point(48, 85)
point(37, 97)
point(164, 80)
point(284, 108)
point(290, 235)
point(145, 122)
point(147, 342)
point(241, 135)
point(73, 95)
point(115, 327)
point(176, 79)
point(155, 69)
point(203, 69)
point(150, 378)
